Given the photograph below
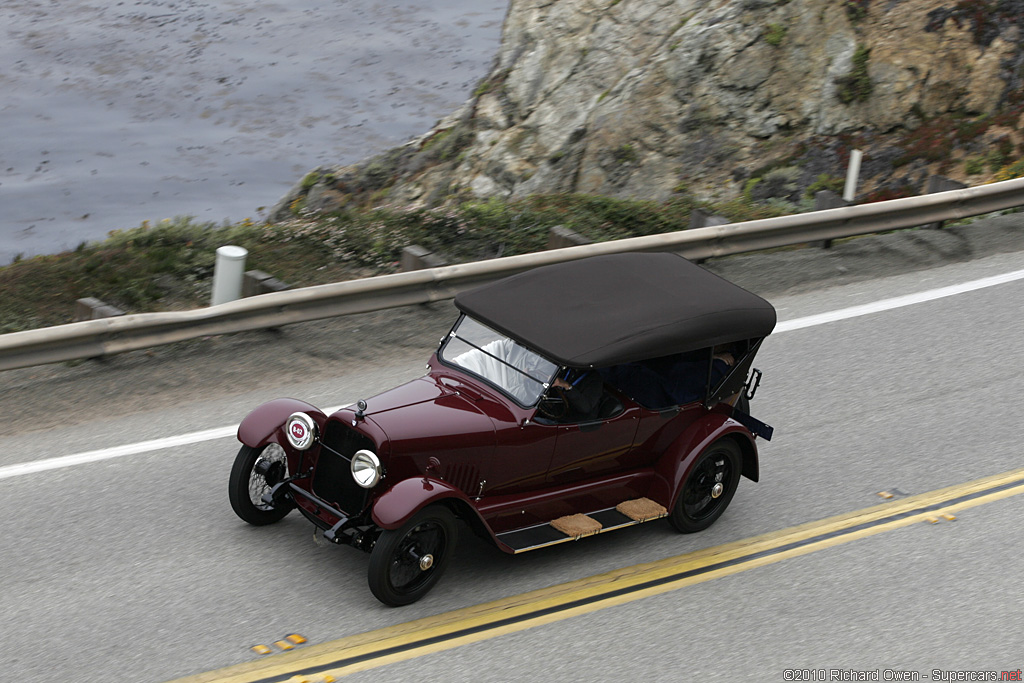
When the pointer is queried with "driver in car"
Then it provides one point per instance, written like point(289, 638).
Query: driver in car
point(582, 390)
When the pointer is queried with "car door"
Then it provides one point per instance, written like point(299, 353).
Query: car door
point(596, 448)
point(518, 460)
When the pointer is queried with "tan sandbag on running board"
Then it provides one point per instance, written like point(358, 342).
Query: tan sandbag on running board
point(577, 526)
point(641, 509)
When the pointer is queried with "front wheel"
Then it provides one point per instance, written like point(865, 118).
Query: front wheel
point(708, 488)
point(255, 472)
point(407, 562)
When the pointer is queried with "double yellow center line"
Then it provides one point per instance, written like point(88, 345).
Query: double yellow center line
point(330, 661)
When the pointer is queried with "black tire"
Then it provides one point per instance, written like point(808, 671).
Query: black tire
point(396, 575)
point(701, 501)
point(246, 487)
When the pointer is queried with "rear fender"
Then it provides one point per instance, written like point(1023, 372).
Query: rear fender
point(397, 505)
point(265, 424)
point(677, 460)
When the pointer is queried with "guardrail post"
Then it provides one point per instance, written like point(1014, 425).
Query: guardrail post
point(227, 274)
point(827, 199)
point(702, 219)
point(937, 183)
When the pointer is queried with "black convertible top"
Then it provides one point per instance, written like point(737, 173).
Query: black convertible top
point(618, 308)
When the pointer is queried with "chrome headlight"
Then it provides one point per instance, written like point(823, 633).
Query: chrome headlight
point(366, 469)
point(301, 431)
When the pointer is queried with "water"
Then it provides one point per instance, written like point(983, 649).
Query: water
point(112, 113)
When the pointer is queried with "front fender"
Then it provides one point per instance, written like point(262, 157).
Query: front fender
point(264, 424)
point(677, 460)
point(397, 505)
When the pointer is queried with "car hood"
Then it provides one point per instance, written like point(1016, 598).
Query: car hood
point(424, 417)
point(411, 393)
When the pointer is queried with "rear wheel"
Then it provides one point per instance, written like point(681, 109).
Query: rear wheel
point(255, 472)
point(407, 562)
point(708, 488)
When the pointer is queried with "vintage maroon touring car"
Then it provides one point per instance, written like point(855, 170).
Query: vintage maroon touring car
point(567, 400)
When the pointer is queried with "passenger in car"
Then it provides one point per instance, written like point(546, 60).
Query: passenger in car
point(671, 380)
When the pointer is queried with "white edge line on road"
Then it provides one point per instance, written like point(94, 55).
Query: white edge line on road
point(20, 469)
point(23, 468)
point(896, 302)
point(115, 452)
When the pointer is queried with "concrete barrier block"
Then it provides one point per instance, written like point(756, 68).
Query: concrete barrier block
point(937, 183)
point(91, 308)
point(827, 199)
point(258, 282)
point(251, 282)
point(702, 219)
point(415, 257)
point(272, 284)
point(560, 237)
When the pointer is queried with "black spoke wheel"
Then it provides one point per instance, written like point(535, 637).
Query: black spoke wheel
point(407, 562)
point(255, 472)
point(708, 488)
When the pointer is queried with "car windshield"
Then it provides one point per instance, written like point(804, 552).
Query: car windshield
point(513, 368)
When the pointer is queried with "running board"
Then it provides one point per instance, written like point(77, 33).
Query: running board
point(579, 526)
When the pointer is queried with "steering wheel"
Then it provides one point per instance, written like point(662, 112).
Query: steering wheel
point(553, 404)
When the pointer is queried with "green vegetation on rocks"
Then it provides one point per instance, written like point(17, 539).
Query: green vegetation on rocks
point(774, 34)
point(169, 265)
point(856, 85)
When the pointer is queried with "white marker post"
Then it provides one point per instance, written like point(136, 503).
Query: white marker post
point(228, 271)
point(852, 171)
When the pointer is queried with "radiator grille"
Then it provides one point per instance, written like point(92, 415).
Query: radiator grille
point(332, 479)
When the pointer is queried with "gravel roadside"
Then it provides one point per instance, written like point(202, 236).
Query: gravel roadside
point(229, 365)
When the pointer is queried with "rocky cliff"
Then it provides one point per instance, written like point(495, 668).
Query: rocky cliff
point(646, 98)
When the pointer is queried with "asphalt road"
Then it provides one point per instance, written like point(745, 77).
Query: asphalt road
point(134, 568)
